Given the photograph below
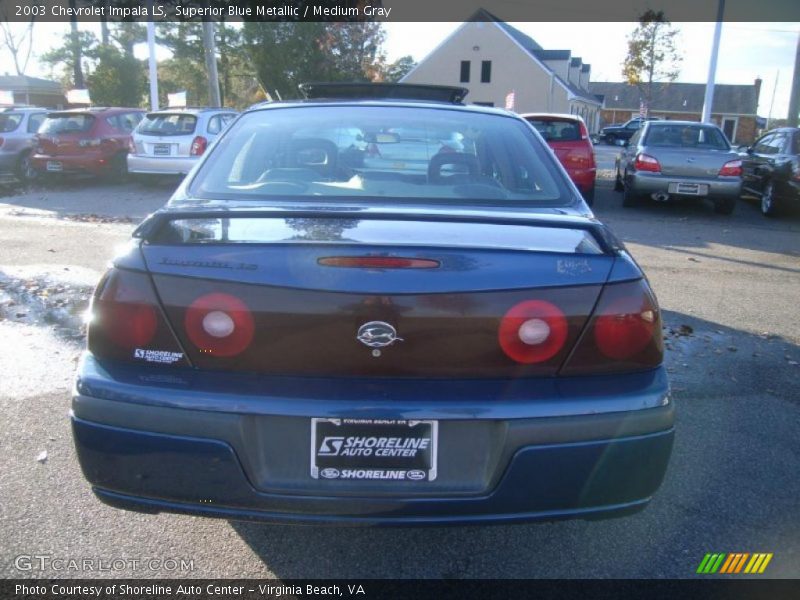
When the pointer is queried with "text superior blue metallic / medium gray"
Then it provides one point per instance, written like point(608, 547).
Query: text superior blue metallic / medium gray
point(375, 312)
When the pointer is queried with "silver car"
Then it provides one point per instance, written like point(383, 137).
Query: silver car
point(169, 142)
point(18, 127)
point(686, 159)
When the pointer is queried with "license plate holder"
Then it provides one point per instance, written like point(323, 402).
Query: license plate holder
point(54, 166)
point(161, 149)
point(689, 189)
point(394, 450)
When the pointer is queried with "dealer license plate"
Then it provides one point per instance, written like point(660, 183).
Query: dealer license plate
point(54, 165)
point(373, 449)
point(161, 149)
point(689, 189)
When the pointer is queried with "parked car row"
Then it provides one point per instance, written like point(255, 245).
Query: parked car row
point(665, 160)
point(106, 141)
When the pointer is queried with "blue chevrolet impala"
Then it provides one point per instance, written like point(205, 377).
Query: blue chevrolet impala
point(375, 306)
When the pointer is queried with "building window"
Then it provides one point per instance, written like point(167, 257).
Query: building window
point(464, 71)
point(486, 71)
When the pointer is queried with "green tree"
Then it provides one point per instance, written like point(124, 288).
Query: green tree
point(118, 78)
point(65, 62)
point(284, 55)
point(652, 57)
point(395, 71)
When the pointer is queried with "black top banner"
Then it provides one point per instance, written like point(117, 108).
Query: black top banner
point(394, 10)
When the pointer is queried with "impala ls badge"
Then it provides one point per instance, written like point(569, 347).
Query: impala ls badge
point(377, 334)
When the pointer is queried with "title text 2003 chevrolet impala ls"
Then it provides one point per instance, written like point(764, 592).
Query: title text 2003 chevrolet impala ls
point(375, 311)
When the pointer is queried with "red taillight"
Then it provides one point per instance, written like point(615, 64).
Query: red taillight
point(645, 162)
point(584, 132)
point(533, 331)
point(378, 262)
point(624, 333)
point(732, 168)
point(219, 324)
point(127, 324)
point(625, 327)
point(199, 145)
point(131, 146)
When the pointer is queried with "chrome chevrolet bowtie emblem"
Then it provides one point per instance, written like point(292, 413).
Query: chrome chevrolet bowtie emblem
point(377, 334)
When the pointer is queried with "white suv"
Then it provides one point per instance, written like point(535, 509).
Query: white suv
point(169, 142)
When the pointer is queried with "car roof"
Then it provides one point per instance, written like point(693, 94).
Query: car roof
point(191, 110)
point(7, 109)
point(552, 116)
point(96, 109)
point(676, 122)
point(470, 108)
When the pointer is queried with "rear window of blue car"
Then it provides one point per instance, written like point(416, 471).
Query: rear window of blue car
point(386, 152)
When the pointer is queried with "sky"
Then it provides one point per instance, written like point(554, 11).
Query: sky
point(747, 50)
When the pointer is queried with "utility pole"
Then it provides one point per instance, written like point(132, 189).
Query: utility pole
point(772, 102)
point(794, 99)
point(211, 63)
point(151, 58)
point(708, 101)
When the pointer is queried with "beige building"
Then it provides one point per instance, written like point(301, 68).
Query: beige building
point(492, 59)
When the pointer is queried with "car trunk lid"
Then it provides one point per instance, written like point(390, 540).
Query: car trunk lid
point(443, 288)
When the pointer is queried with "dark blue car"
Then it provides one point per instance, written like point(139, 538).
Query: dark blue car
point(333, 322)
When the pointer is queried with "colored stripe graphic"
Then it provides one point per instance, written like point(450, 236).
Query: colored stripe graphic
point(734, 562)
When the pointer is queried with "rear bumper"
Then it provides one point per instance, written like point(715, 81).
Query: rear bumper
point(649, 183)
point(94, 164)
point(160, 165)
point(180, 451)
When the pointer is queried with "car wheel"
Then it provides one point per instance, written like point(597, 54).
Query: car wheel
point(618, 186)
point(769, 207)
point(118, 168)
point(25, 170)
point(629, 197)
point(611, 140)
point(724, 206)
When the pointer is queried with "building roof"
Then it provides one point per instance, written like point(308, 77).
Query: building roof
point(552, 54)
point(23, 83)
point(680, 97)
point(537, 52)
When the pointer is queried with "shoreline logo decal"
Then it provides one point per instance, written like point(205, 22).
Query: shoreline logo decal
point(330, 446)
point(735, 562)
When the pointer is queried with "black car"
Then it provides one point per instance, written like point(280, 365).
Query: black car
point(613, 133)
point(771, 169)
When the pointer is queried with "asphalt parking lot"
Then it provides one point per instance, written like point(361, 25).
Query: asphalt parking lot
point(728, 287)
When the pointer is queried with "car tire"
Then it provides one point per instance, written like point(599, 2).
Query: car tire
point(629, 197)
point(768, 204)
point(611, 140)
point(618, 185)
point(724, 206)
point(25, 170)
point(118, 168)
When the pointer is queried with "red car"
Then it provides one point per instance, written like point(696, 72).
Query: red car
point(568, 137)
point(86, 140)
